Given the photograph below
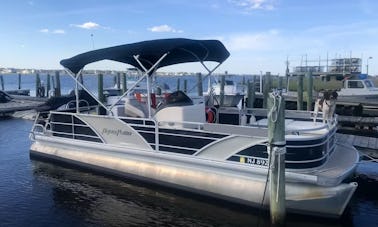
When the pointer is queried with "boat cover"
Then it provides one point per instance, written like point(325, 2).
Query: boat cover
point(180, 51)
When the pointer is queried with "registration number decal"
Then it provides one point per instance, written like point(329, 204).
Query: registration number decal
point(254, 161)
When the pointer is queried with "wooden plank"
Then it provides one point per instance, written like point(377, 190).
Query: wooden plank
point(376, 144)
point(362, 140)
point(371, 143)
point(342, 138)
point(351, 139)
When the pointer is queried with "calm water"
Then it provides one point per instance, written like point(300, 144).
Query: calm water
point(90, 82)
point(39, 193)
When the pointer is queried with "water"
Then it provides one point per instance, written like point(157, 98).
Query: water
point(40, 193)
point(90, 82)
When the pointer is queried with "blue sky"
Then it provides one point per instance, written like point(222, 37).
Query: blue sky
point(260, 34)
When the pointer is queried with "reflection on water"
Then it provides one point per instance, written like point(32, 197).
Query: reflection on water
point(104, 200)
point(40, 193)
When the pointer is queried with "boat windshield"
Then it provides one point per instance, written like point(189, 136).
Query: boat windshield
point(368, 83)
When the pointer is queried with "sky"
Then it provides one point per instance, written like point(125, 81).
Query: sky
point(261, 35)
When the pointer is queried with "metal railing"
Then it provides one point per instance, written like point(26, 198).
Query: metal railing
point(70, 128)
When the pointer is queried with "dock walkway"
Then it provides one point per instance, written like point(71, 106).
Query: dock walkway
point(19, 103)
point(360, 122)
point(360, 142)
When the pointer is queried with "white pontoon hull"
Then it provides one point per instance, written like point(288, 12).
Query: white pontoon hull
point(221, 180)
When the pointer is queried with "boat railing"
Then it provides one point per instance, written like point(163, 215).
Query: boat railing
point(289, 114)
point(69, 127)
point(38, 126)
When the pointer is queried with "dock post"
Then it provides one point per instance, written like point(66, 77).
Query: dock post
point(185, 86)
point(300, 93)
point(221, 92)
point(124, 83)
point(251, 94)
point(2, 82)
point(118, 80)
point(57, 87)
point(37, 85)
point(199, 84)
point(266, 90)
point(276, 151)
point(178, 84)
point(309, 90)
point(19, 81)
point(100, 90)
point(48, 85)
point(280, 82)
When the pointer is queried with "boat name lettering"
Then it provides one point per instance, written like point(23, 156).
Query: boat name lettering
point(116, 132)
point(257, 161)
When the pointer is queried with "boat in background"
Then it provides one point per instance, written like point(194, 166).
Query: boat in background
point(172, 144)
point(359, 90)
point(232, 96)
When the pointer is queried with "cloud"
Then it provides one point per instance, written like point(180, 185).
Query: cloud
point(87, 25)
point(261, 41)
point(254, 4)
point(44, 30)
point(56, 31)
point(164, 28)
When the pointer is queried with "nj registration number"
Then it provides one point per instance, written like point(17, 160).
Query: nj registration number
point(254, 161)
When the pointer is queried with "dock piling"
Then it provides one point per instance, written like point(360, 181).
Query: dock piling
point(221, 93)
point(118, 80)
point(100, 90)
point(300, 93)
point(280, 83)
point(37, 85)
point(2, 82)
point(124, 83)
point(178, 84)
point(199, 84)
point(19, 81)
point(185, 85)
point(309, 90)
point(57, 86)
point(276, 151)
point(251, 94)
point(48, 85)
point(267, 88)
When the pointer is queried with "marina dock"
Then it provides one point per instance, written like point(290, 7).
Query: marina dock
point(359, 141)
point(19, 103)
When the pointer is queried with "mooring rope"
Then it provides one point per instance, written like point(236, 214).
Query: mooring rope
point(277, 99)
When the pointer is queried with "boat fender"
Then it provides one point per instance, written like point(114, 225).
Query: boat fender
point(210, 115)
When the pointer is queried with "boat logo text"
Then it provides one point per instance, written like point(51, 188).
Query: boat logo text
point(116, 132)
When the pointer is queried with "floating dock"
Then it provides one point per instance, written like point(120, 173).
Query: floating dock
point(19, 103)
point(370, 143)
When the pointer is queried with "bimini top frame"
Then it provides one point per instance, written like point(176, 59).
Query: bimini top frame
point(148, 56)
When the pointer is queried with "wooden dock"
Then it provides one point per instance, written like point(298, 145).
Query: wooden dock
point(19, 103)
point(370, 143)
point(358, 122)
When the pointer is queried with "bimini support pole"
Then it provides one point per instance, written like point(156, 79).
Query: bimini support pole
point(209, 72)
point(77, 94)
point(146, 73)
point(78, 83)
